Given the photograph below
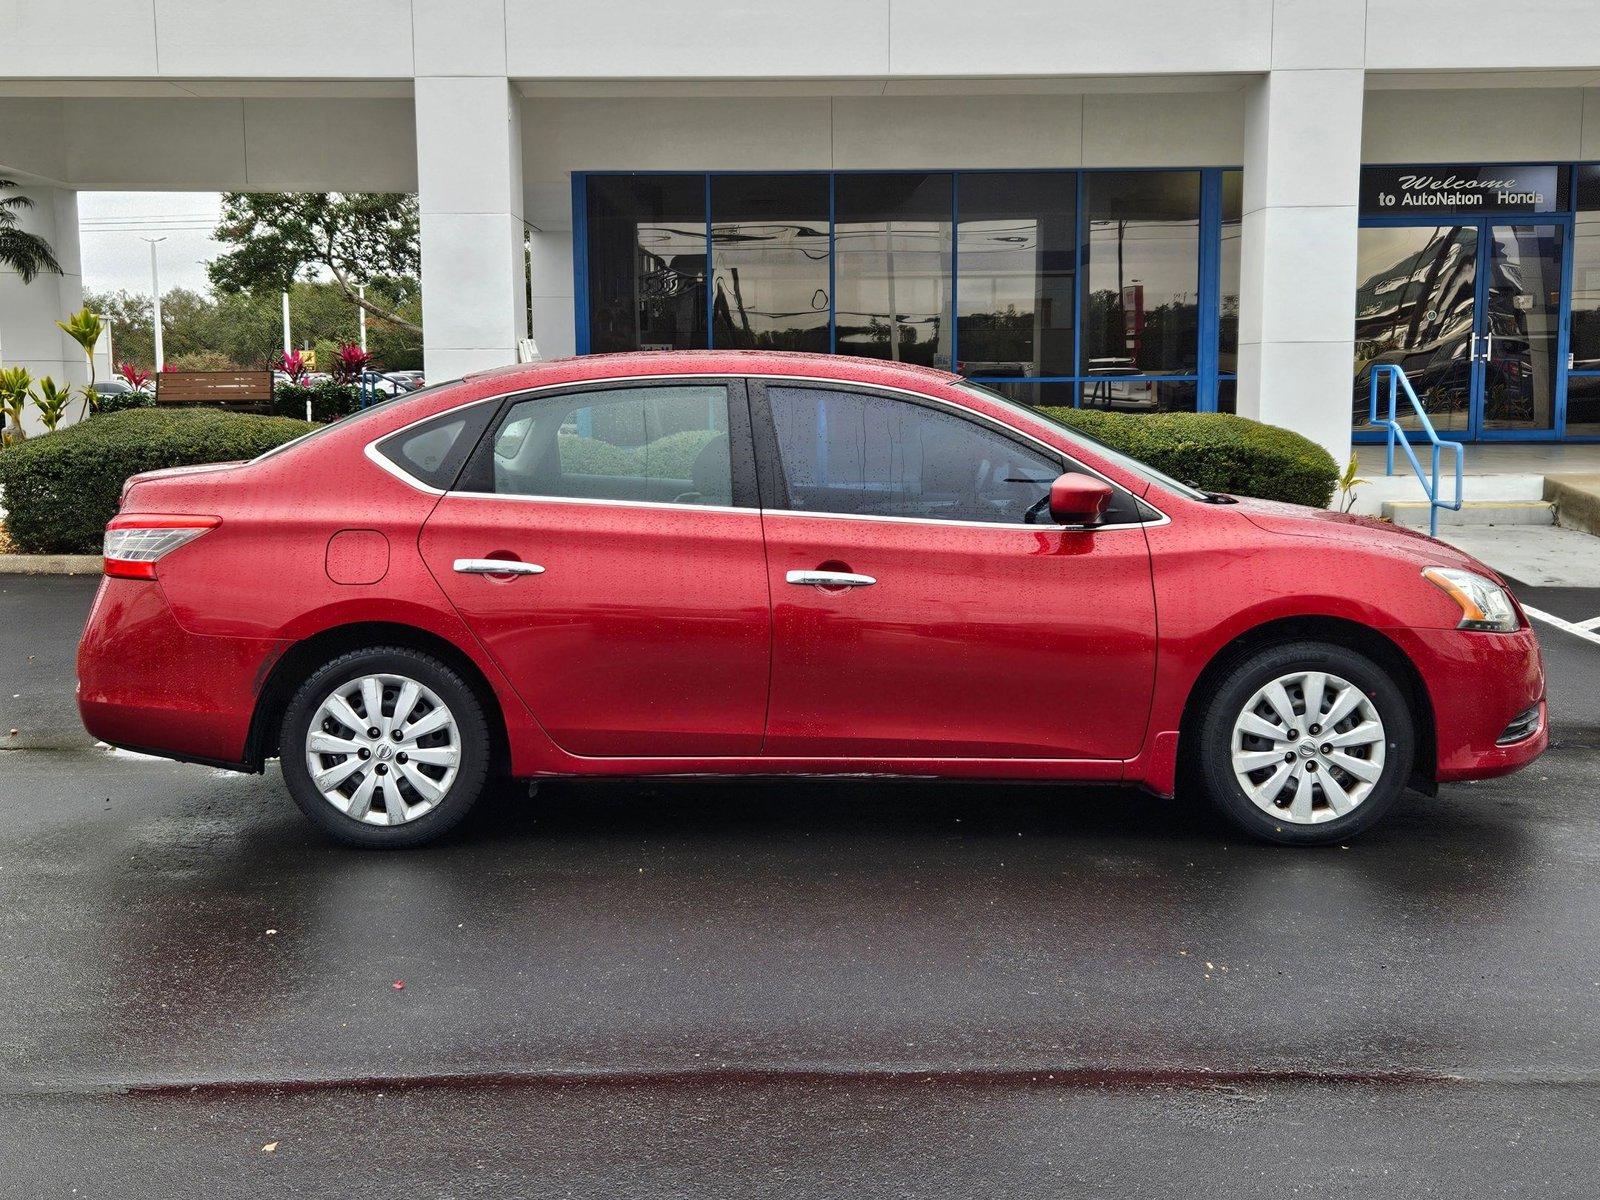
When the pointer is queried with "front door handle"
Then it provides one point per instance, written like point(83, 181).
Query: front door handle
point(829, 579)
point(496, 566)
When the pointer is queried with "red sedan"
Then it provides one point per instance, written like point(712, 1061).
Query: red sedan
point(741, 563)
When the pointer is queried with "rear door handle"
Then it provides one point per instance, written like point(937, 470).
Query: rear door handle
point(829, 579)
point(496, 566)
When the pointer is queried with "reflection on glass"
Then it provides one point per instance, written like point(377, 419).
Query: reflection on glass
point(1228, 289)
point(1016, 257)
point(1228, 395)
point(1141, 304)
point(1415, 302)
point(647, 262)
point(1140, 395)
point(892, 269)
point(1586, 272)
point(769, 259)
point(1583, 405)
point(1519, 383)
point(1037, 395)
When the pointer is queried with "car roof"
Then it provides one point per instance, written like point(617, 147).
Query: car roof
point(714, 362)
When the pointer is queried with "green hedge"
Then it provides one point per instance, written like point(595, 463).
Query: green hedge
point(329, 400)
point(1216, 451)
point(60, 489)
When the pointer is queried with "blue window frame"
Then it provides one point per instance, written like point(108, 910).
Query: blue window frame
point(925, 238)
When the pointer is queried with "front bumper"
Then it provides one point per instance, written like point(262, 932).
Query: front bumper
point(1478, 684)
point(147, 684)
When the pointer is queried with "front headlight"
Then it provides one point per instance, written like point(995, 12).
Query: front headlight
point(1484, 603)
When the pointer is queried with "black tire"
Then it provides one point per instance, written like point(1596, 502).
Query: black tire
point(1212, 766)
point(472, 736)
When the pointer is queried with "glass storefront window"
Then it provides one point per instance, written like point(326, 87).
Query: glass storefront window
point(647, 262)
point(1016, 259)
point(1037, 395)
point(769, 262)
point(1227, 395)
point(1583, 405)
point(1228, 273)
point(892, 266)
point(1140, 395)
point(1585, 344)
point(1141, 295)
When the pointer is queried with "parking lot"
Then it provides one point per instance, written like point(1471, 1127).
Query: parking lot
point(786, 989)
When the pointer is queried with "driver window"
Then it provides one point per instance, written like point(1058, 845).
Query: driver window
point(870, 455)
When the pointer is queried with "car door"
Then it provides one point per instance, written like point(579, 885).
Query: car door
point(923, 604)
point(604, 545)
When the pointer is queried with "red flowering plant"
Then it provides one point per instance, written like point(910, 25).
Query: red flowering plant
point(293, 364)
point(350, 362)
point(134, 377)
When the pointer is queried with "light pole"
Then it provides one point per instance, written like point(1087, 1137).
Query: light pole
point(361, 315)
point(155, 300)
point(288, 345)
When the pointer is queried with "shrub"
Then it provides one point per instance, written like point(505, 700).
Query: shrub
point(61, 489)
point(201, 360)
point(1217, 451)
point(329, 400)
point(112, 402)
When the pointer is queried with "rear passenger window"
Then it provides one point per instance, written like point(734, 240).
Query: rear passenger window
point(663, 444)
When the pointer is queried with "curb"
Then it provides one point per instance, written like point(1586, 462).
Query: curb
point(50, 564)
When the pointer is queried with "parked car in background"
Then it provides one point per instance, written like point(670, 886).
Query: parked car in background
point(744, 563)
point(410, 380)
point(113, 387)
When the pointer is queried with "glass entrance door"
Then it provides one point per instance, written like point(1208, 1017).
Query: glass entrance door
point(1471, 312)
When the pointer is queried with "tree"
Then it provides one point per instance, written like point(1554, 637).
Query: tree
point(27, 254)
point(357, 237)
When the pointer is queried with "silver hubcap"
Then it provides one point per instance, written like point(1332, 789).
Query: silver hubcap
point(383, 749)
point(1308, 748)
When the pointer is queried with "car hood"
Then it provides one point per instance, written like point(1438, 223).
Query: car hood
point(1365, 533)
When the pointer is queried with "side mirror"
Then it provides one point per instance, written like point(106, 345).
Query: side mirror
point(1077, 499)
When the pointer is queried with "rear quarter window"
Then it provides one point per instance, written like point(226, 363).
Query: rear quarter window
point(434, 451)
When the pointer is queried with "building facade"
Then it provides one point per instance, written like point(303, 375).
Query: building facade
point(1233, 205)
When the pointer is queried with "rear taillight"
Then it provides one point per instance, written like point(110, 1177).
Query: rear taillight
point(135, 542)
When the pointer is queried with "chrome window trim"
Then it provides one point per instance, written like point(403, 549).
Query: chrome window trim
point(405, 476)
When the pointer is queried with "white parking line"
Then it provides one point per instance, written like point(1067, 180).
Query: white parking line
point(1591, 623)
point(1584, 631)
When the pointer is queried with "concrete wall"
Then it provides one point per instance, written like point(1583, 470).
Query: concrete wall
point(29, 336)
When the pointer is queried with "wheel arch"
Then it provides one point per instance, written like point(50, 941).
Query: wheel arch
point(1340, 631)
point(296, 664)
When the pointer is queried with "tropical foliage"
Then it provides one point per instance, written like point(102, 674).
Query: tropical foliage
point(28, 254)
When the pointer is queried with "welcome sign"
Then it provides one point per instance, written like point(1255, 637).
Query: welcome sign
point(1412, 191)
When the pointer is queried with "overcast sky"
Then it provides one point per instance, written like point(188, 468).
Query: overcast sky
point(112, 224)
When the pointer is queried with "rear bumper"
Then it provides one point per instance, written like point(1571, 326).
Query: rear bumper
point(1478, 683)
point(146, 684)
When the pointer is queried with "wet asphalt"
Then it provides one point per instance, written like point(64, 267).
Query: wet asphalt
point(785, 989)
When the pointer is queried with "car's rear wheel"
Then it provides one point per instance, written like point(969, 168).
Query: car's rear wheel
point(1305, 744)
point(386, 747)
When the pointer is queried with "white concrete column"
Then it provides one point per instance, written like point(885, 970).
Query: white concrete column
point(1302, 169)
point(554, 328)
point(29, 311)
point(469, 189)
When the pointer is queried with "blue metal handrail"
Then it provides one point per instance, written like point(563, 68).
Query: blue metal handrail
point(1430, 482)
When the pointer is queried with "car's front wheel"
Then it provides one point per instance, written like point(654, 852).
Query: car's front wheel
point(1306, 743)
point(386, 747)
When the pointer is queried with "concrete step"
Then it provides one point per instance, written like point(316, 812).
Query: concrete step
point(1577, 500)
point(1473, 512)
point(1379, 490)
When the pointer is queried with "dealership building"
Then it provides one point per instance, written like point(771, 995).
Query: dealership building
point(1173, 205)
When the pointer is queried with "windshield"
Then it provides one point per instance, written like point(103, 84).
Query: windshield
point(1128, 463)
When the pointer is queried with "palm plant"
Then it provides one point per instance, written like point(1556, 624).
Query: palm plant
point(14, 385)
point(51, 400)
point(85, 328)
point(27, 254)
